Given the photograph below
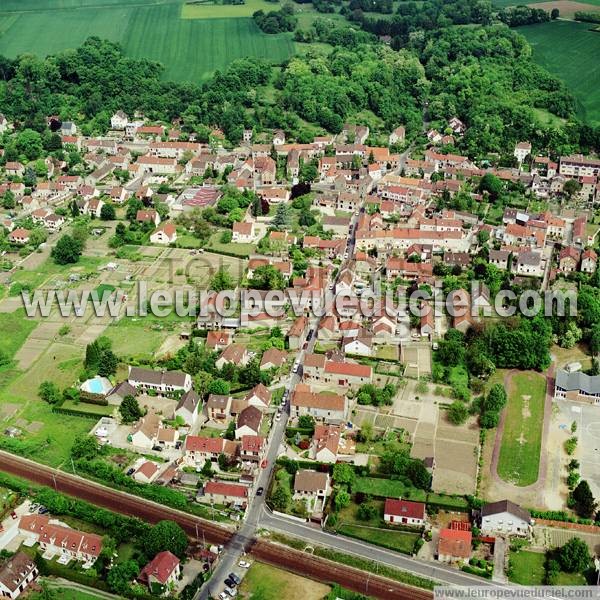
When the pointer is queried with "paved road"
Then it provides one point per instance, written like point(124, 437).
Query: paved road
point(314, 535)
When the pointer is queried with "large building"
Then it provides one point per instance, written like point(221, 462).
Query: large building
point(577, 386)
point(505, 517)
point(16, 573)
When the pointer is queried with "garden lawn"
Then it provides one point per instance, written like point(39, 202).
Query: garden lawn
point(400, 541)
point(238, 249)
point(527, 568)
point(269, 583)
point(387, 488)
point(519, 460)
point(15, 328)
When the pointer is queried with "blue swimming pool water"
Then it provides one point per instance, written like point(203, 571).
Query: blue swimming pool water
point(95, 386)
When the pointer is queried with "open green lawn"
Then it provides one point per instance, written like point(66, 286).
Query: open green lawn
point(239, 249)
point(190, 49)
point(15, 328)
point(136, 337)
point(570, 51)
point(527, 568)
point(270, 583)
point(520, 452)
point(47, 437)
point(400, 541)
point(387, 488)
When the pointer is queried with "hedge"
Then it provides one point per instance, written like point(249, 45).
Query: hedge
point(73, 412)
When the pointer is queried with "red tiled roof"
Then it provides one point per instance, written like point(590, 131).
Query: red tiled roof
point(404, 508)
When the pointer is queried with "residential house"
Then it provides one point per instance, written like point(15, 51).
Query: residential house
point(589, 261)
point(60, 540)
point(325, 406)
point(216, 492)
point(119, 121)
point(505, 518)
point(118, 392)
point(148, 216)
point(17, 572)
point(297, 333)
point(163, 382)
point(235, 354)
point(404, 512)
point(313, 487)
point(19, 236)
point(188, 407)
point(146, 472)
point(144, 433)
point(218, 407)
point(397, 136)
point(454, 545)
point(522, 151)
point(197, 449)
point(259, 396)
point(499, 258)
point(273, 358)
point(161, 574)
point(326, 443)
point(568, 259)
point(530, 264)
point(244, 232)
point(248, 422)
point(252, 448)
point(218, 339)
point(165, 234)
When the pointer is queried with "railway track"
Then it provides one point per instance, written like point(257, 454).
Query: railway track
point(277, 555)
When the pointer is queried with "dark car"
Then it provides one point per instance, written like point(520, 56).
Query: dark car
point(229, 582)
point(310, 334)
point(130, 472)
point(235, 578)
point(259, 491)
point(157, 448)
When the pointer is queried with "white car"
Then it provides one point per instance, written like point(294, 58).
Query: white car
point(223, 596)
point(278, 416)
point(345, 255)
point(244, 564)
point(295, 367)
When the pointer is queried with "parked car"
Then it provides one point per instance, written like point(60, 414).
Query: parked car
point(244, 564)
point(229, 582)
point(130, 472)
point(157, 448)
point(223, 596)
point(231, 592)
point(235, 578)
point(33, 508)
point(259, 491)
point(264, 463)
point(14, 515)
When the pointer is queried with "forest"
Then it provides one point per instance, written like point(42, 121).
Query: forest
point(483, 75)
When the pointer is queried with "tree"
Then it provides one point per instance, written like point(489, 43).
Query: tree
point(67, 251)
point(306, 422)
point(108, 363)
point(223, 462)
point(49, 392)
point(571, 187)
point(267, 277)
point(219, 387)
point(281, 498)
point(342, 499)
point(281, 220)
point(29, 143)
point(121, 576)
point(84, 446)
point(554, 14)
point(491, 184)
point(343, 474)
point(418, 474)
point(458, 412)
point(585, 504)
point(165, 535)
point(8, 200)
point(574, 556)
point(108, 212)
point(221, 280)
point(130, 409)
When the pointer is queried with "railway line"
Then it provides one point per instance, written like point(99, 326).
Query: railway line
point(201, 529)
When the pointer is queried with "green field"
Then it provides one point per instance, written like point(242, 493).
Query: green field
point(519, 460)
point(225, 11)
point(527, 568)
point(505, 3)
point(570, 51)
point(400, 541)
point(190, 48)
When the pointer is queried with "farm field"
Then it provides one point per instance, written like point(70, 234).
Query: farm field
point(522, 437)
point(558, 46)
point(190, 48)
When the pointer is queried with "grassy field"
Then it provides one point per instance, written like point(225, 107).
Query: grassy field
point(135, 337)
point(521, 440)
point(190, 48)
point(505, 3)
point(239, 249)
point(15, 328)
point(400, 541)
point(269, 583)
point(568, 50)
point(527, 568)
point(387, 488)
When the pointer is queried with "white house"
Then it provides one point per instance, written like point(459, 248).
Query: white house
point(16, 574)
point(162, 571)
point(243, 232)
point(119, 121)
point(147, 472)
point(165, 234)
point(159, 381)
point(404, 512)
point(187, 407)
point(522, 151)
point(505, 517)
point(313, 487)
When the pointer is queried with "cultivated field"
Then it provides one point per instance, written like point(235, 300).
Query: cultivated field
point(190, 48)
point(567, 8)
point(522, 437)
point(568, 50)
